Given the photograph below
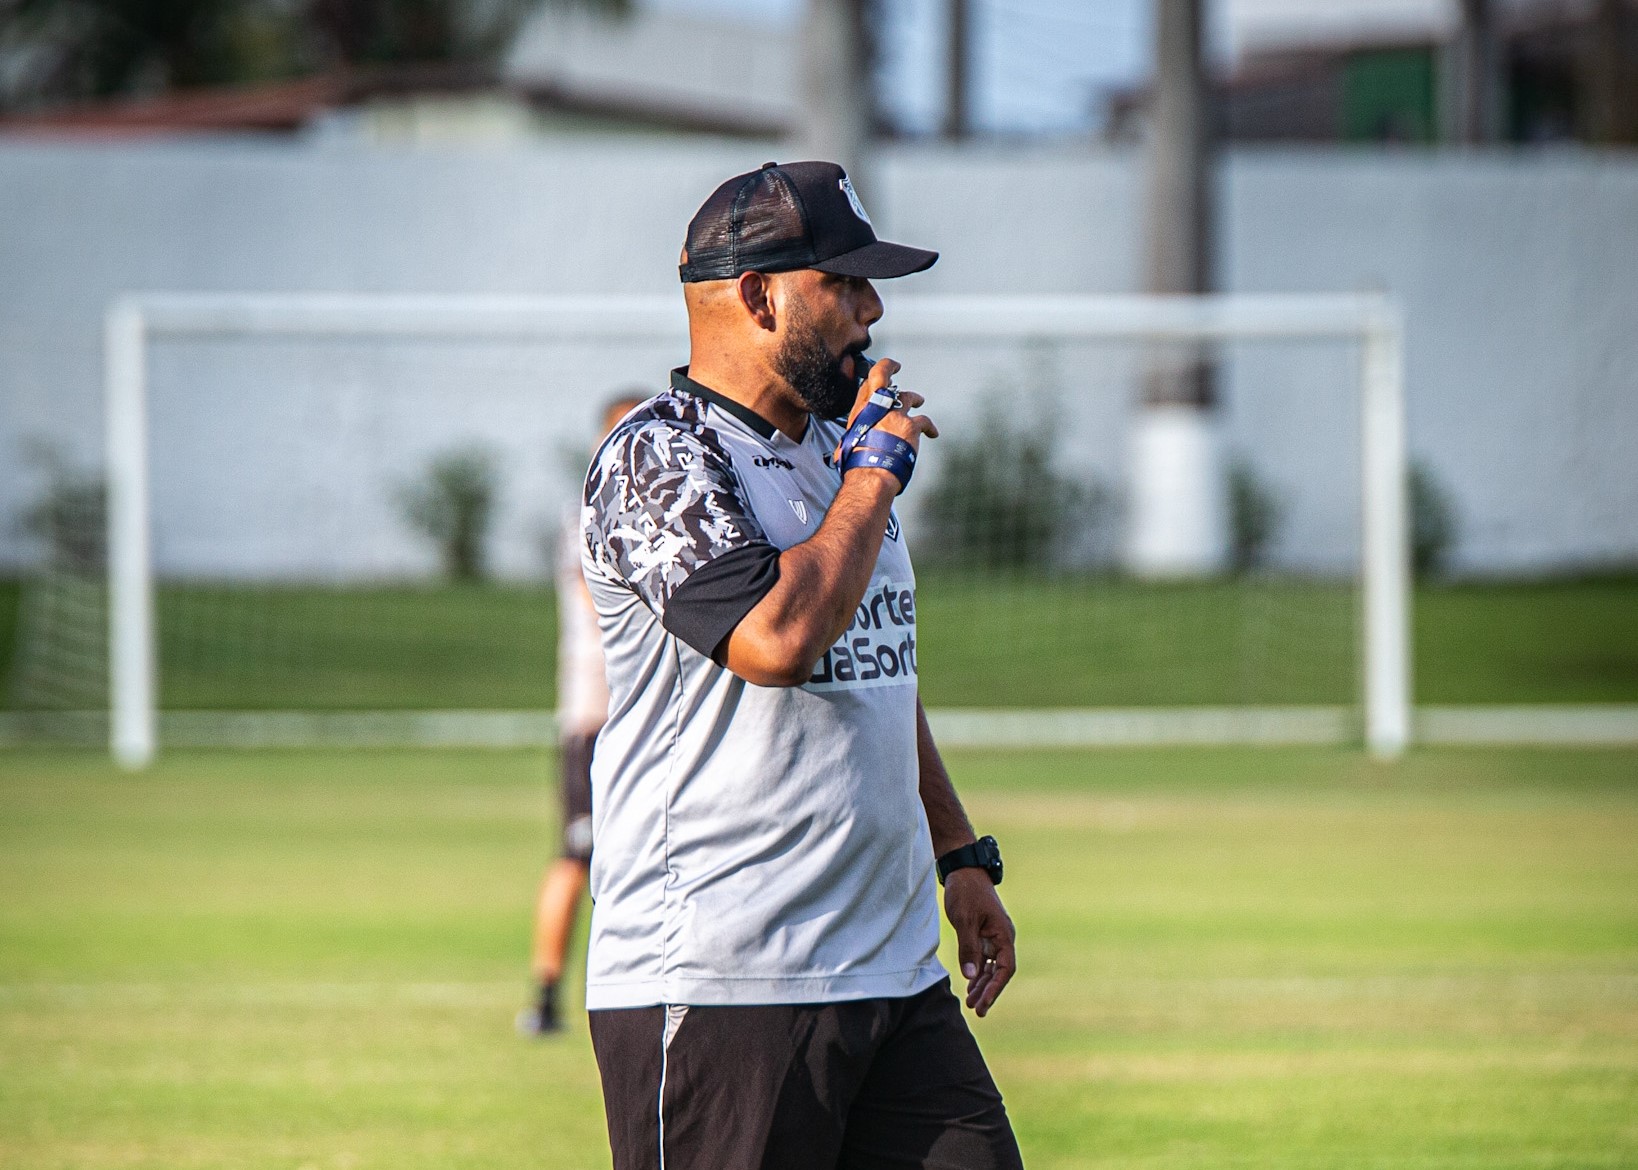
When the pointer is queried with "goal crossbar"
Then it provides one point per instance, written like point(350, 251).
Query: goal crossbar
point(133, 322)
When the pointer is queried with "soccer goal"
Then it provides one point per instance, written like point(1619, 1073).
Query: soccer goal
point(279, 570)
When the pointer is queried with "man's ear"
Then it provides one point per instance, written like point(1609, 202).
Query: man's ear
point(757, 297)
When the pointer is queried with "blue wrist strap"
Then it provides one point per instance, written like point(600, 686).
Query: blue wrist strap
point(880, 404)
point(883, 451)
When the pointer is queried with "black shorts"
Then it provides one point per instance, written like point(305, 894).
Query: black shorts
point(864, 1085)
point(575, 756)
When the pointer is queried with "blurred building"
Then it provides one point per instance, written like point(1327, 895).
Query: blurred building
point(663, 68)
point(568, 73)
point(1364, 71)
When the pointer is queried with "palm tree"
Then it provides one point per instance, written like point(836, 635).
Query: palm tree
point(65, 50)
point(403, 32)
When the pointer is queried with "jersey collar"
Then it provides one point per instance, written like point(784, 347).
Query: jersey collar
point(680, 381)
point(739, 410)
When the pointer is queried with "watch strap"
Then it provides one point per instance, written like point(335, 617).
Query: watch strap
point(983, 853)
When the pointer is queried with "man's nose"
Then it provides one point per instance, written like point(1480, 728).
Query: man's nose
point(870, 305)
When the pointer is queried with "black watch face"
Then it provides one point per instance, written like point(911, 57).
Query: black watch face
point(990, 852)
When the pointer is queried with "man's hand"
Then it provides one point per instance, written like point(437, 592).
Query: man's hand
point(984, 935)
point(899, 423)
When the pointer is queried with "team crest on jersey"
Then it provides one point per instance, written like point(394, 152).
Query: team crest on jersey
point(892, 527)
point(800, 507)
point(846, 184)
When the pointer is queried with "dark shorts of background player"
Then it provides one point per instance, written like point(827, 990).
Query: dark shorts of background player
point(575, 754)
point(864, 1085)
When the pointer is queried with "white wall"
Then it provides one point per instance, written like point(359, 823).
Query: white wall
point(1520, 278)
point(1519, 275)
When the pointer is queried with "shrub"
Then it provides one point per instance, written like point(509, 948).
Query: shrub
point(999, 502)
point(1432, 520)
point(1255, 515)
point(453, 506)
point(70, 515)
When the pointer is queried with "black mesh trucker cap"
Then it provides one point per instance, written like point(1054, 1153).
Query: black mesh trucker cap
point(796, 215)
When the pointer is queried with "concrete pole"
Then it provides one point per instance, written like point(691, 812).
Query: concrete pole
point(958, 117)
point(1386, 539)
point(132, 653)
point(837, 86)
point(1474, 87)
point(1178, 523)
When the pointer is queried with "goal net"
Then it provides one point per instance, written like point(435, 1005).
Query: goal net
point(332, 518)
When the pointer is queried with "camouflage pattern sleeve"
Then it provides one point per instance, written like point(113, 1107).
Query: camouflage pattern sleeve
point(661, 501)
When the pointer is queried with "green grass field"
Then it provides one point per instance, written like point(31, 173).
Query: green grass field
point(983, 642)
point(1269, 959)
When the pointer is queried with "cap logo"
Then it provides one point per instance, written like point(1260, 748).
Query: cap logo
point(846, 185)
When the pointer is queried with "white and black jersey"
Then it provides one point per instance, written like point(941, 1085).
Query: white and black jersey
point(755, 845)
point(582, 685)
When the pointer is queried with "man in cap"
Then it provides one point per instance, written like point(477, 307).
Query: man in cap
point(770, 811)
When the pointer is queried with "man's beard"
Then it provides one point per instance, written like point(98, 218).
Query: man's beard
point(808, 365)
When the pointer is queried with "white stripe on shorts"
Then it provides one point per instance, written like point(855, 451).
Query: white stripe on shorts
point(674, 1013)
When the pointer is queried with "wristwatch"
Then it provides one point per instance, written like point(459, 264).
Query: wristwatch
point(983, 853)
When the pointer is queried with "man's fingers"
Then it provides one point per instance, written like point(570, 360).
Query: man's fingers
point(881, 373)
point(978, 990)
point(983, 972)
point(992, 979)
point(969, 954)
point(1000, 973)
point(908, 426)
point(987, 976)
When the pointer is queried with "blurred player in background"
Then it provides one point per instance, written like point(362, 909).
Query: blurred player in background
point(582, 707)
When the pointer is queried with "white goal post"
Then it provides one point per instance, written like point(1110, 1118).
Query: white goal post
point(1373, 321)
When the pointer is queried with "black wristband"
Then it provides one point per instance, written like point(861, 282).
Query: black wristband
point(982, 854)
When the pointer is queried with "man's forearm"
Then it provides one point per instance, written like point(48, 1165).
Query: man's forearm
point(821, 582)
point(946, 819)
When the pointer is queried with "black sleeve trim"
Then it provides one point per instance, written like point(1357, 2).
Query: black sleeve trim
point(705, 608)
